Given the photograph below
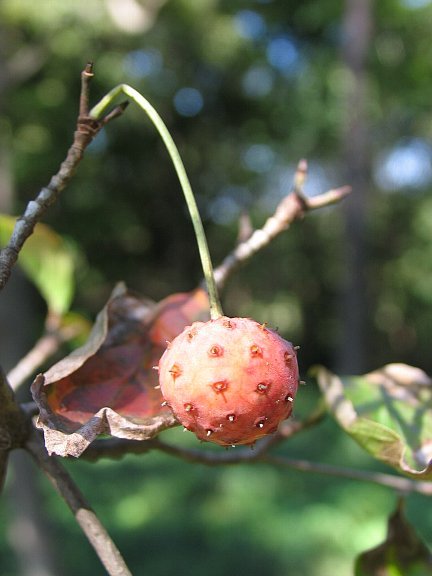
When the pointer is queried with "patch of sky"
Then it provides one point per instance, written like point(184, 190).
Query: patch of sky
point(188, 101)
point(98, 144)
point(320, 178)
point(259, 158)
point(406, 166)
point(284, 55)
point(228, 204)
point(249, 24)
point(143, 63)
point(415, 4)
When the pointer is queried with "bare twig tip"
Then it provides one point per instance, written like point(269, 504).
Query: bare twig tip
point(115, 113)
point(88, 70)
point(344, 190)
point(302, 166)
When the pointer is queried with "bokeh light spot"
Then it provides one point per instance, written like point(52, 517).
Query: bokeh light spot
point(142, 63)
point(249, 24)
point(188, 101)
point(259, 158)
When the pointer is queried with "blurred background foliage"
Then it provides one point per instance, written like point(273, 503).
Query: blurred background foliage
point(247, 87)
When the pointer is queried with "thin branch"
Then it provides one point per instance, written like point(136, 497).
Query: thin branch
point(291, 208)
point(115, 448)
point(86, 130)
point(42, 351)
point(86, 76)
point(328, 198)
point(300, 178)
point(96, 533)
point(390, 480)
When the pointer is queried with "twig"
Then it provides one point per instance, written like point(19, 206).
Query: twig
point(86, 130)
point(44, 349)
point(96, 533)
point(391, 481)
point(260, 455)
point(328, 198)
point(114, 448)
point(290, 208)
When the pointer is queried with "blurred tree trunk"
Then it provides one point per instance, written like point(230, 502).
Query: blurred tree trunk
point(30, 536)
point(27, 531)
point(356, 32)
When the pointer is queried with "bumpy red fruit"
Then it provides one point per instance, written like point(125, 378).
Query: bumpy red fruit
point(230, 380)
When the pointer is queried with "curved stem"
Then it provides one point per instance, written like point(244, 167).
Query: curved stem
point(144, 104)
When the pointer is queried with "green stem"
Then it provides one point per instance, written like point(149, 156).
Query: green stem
point(144, 104)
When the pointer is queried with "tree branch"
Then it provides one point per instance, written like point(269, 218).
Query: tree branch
point(95, 532)
point(47, 345)
point(398, 483)
point(43, 349)
point(290, 208)
point(86, 130)
point(260, 455)
point(116, 448)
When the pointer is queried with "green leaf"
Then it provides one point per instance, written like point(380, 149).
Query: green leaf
point(402, 553)
point(388, 412)
point(48, 261)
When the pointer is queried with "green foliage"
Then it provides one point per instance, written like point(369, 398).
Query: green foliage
point(214, 520)
point(49, 262)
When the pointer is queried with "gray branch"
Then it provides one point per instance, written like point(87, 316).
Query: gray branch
point(90, 524)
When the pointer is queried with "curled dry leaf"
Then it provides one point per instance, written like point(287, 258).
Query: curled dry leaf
point(109, 386)
point(388, 412)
